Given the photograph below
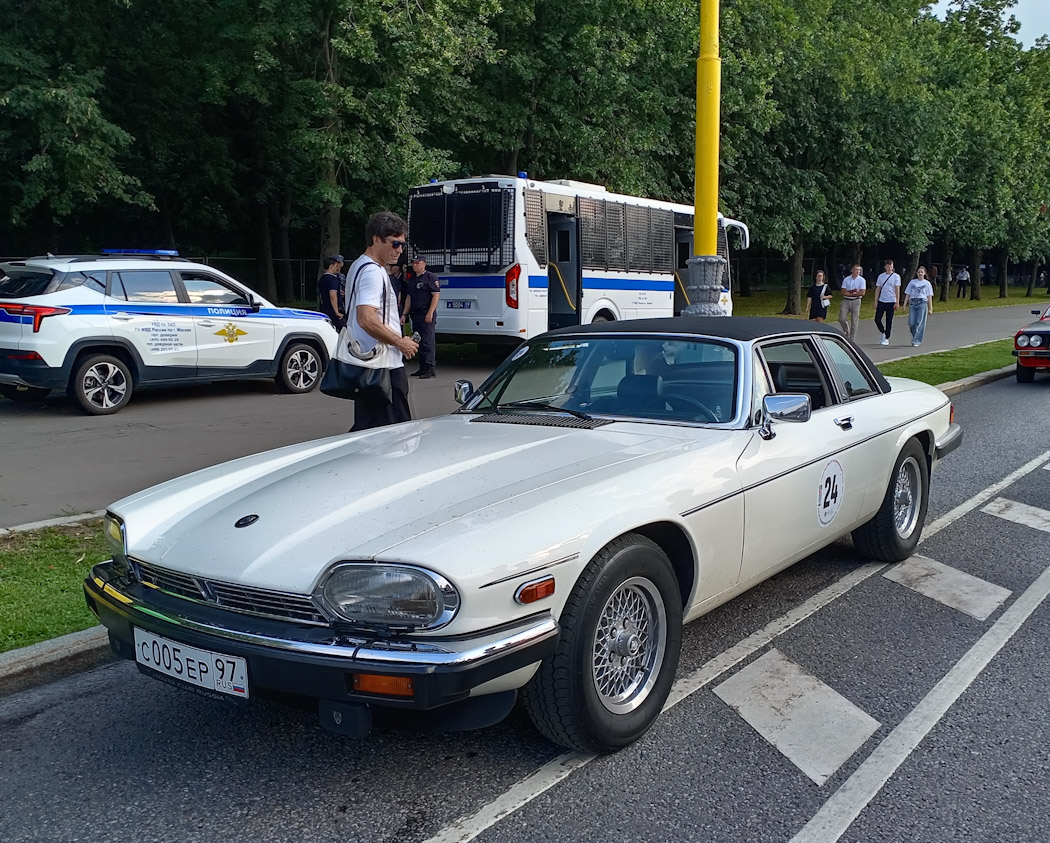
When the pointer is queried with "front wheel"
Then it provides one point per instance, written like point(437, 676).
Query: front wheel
point(101, 385)
point(300, 370)
point(24, 394)
point(621, 631)
point(893, 534)
point(1024, 374)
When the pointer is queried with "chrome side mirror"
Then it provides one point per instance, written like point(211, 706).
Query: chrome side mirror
point(783, 407)
point(461, 391)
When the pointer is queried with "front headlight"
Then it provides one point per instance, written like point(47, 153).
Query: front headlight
point(1036, 341)
point(1022, 341)
point(390, 596)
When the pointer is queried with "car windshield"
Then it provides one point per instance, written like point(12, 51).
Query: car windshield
point(643, 377)
point(19, 282)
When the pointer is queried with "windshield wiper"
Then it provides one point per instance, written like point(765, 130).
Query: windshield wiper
point(543, 405)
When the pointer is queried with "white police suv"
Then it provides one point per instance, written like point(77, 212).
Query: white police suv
point(101, 326)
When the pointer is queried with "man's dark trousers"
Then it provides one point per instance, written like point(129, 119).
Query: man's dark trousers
point(427, 339)
point(881, 309)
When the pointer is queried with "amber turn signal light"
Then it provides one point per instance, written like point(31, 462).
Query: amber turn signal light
point(535, 590)
point(389, 686)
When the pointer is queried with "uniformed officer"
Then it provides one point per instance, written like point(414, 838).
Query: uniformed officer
point(424, 291)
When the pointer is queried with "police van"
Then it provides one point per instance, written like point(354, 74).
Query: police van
point(102, 326)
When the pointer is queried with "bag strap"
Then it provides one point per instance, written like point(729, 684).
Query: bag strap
point(353, 288)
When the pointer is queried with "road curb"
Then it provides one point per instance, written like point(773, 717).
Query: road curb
point(963, 384)
point(49, 660)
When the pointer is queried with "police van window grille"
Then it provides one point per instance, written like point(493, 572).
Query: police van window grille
point(683, 220)
point(663, 240)
point(639, 247)
point(426, 226)
point(481, 235)
point(536, 225)
point(592, 232)
point(723, 243)
point(615, 241)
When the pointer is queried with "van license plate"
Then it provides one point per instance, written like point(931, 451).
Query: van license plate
point(203, 668)
point(458, 305)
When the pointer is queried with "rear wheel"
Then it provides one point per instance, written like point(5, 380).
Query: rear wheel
point(300, 370)
point(1024, 374)
point(24, 394)
point(892, 535)
point(101, 385)
point(621, 631)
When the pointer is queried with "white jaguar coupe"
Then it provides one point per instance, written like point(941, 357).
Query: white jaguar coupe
point(605, 485)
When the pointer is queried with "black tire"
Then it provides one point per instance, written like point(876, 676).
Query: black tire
point(577, 698)
point(300, 370)
point(601, 317)
point(24, 394)
point(101, 385)
point(893, 534)
point(1024, 374)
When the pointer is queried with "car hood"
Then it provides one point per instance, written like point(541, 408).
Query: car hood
point(357, 496)
point(1040, 325)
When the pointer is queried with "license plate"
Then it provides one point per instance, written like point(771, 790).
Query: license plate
point(458, 305)
point(202, 668)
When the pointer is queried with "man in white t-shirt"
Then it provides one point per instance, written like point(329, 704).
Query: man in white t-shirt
point(853, 289)
point(374, 318)
point(962, 281)
point(887, 300)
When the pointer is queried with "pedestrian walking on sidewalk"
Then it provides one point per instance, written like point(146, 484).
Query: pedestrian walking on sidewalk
point(887, 300)
point(853, 289)
point(819, 298)
point(918, 297)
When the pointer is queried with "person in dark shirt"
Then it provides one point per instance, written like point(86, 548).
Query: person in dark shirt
point(330, 291)
point(421, 301)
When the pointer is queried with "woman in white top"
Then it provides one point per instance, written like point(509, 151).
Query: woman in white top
point(918, 298)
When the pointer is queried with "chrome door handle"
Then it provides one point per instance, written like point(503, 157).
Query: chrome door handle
point(206, 323)
point(845, 422)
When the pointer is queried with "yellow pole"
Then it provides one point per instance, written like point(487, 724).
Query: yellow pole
point(708, 122)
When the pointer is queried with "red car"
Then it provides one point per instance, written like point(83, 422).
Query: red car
point(1032, 347)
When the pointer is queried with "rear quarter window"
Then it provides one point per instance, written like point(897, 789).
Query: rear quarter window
point(20, 284)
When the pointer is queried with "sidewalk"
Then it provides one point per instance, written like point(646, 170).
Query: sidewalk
point(946, 331)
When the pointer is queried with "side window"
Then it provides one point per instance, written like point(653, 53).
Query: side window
point(856, 381)
point(793, 368)
point(204, 289)
point(153, 286)
point(92, 280)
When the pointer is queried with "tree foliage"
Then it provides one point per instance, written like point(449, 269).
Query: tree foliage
point(274, 127)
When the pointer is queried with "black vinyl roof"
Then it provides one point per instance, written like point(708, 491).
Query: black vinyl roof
point(740, 328)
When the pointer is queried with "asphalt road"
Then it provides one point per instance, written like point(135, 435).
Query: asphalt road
point(956, 747)
point(59, 462)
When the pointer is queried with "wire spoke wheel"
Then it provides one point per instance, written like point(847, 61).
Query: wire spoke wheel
point(629, 645)
point(906, 494)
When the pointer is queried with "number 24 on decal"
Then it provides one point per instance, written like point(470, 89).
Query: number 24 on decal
point(831, 491)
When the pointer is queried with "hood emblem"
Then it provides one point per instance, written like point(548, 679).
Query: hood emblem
point(246, 521)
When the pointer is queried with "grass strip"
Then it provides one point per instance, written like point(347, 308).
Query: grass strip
point(947, 366)
point(40, 576)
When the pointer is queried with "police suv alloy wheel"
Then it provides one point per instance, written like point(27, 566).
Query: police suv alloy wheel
point(101, 385)
point(300, 370)
point(24, 394)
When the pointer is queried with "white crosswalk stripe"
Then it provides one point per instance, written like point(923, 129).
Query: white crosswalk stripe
point(814, 726)
point(1019, 513)
point(976, 597)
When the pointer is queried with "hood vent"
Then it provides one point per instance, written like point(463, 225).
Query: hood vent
point(542, 420)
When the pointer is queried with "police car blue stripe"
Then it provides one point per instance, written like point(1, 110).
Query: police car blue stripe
point(142, 309)
point(627, 284)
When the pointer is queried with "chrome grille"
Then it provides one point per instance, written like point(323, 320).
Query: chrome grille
point(237, 598)
point(170, 581)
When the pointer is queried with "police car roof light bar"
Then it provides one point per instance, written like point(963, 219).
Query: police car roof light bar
point(167, 253)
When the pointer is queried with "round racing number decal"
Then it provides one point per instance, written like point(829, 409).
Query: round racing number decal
point(829, 493)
